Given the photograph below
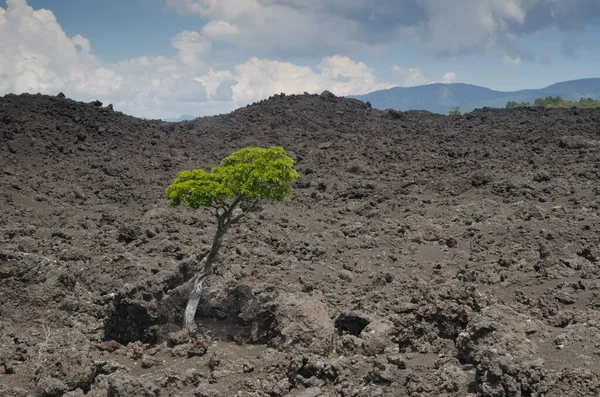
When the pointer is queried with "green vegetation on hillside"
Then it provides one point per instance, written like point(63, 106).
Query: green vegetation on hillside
point(555, 102)
point(454, 111)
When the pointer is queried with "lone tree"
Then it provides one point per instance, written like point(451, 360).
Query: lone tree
point(244, 180)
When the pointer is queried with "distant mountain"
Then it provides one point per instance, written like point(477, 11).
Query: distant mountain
point(440, 98)
point(185, 117)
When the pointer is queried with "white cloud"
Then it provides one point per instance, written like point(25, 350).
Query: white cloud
point(260, 78)
point(35, 53)
point(220, 30)
point(37, 56)
point(411, 77)
point(358, 75)
point(81, 43)
point(268, 27)
point(449, 77)
point(442, 28)
point(213, 79)
point(467, 26)
point(192, 46)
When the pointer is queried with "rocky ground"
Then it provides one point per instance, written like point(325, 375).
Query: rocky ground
point(420, 255)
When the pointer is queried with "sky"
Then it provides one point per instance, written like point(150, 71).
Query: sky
point(167, 58)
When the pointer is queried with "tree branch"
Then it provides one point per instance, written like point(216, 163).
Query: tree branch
point(245, 212)
point(237, 218)
point(234, 204)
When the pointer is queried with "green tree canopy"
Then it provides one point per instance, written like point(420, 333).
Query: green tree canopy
point(246, 176)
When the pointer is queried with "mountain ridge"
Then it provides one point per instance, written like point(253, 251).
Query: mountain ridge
point(440, 97)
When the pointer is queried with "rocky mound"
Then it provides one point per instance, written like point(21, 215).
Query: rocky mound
point(420, 254)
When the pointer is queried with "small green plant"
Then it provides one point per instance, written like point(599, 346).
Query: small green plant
point(454, 111)
point(244, 180)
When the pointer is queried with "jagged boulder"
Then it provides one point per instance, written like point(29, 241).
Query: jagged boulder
point(291, 322)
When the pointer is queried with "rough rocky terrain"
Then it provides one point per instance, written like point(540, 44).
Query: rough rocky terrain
point(420, 255)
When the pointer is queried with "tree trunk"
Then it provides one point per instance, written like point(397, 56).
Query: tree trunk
point(192, 304)
point(214, 249)
point(194, 299)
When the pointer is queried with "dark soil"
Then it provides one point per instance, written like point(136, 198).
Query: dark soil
point(420, 255)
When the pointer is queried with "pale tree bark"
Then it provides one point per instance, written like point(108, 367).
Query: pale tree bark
point(205, 271)
point(192, 304)
point(225, 218)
